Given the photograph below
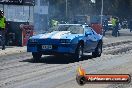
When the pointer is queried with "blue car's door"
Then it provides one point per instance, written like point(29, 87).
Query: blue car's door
point(90, 40)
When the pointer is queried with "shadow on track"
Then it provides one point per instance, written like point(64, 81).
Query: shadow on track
point(57, 59)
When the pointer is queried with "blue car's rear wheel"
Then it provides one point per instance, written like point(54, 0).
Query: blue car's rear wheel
point(36, 56)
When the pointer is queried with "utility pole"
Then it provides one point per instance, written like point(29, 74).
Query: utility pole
point(102, 8)
point(66, 8)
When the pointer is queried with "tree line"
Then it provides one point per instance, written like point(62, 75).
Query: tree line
point(121, 8)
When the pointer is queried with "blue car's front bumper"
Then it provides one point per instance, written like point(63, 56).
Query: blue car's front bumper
point(62, 48)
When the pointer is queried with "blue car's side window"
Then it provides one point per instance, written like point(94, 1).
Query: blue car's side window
point(92, 31)
point(88, 30)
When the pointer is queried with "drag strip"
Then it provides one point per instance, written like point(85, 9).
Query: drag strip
point(19, 69)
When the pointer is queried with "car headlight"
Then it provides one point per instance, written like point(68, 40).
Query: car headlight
point(33, 40)
point(65, 41)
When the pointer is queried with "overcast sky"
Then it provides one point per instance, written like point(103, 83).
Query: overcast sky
point(93, 1)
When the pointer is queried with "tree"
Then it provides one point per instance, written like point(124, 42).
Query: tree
point(121, 8)
point(74, 7)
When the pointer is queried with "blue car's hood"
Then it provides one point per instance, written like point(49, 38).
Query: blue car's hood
point(57, 35)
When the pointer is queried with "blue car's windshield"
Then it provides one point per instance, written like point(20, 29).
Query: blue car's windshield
point(74, 29)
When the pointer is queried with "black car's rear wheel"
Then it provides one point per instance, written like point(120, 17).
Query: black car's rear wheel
point(36, 56)
point(98, 50)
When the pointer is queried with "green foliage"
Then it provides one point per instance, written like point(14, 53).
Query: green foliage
point(121, 8)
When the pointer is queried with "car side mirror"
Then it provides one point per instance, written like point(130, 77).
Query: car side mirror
point(87, 33)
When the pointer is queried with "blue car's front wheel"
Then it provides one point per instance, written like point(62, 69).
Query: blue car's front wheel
point(79, 52)
point(36, 56)
point(98, 50)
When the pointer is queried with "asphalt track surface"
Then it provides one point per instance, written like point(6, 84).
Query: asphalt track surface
point(19, 71)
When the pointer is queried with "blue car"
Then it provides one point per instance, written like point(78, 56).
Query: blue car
point(71, 39)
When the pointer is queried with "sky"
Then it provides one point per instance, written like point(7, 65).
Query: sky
point(93, 1)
